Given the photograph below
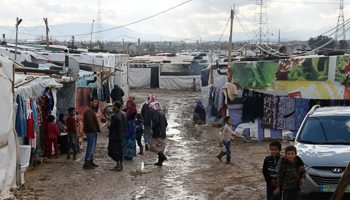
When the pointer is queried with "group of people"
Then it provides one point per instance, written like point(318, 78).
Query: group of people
point(64, 125)
point(126, 130)
point(281, 173)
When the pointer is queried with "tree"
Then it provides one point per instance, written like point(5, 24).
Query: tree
point(321, 40)
point(343, 44)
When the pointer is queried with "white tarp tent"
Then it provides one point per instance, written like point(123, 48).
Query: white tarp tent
point(178, 82)
point(8, 140)
point(140, 77)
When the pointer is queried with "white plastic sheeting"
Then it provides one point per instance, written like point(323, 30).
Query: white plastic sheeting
point(35, 88)
point(21, 55)
point(7, 136)
point(140, 77)
point(178, 82)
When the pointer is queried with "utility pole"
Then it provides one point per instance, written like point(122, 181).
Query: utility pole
point(139, 47)
point(340, 23)
point(279, 36)
point(230, 39)
point(123, 47)
point(92, 28)
point(18, 21)
point(47, 34)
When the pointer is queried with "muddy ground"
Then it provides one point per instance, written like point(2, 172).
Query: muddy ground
point(191, 172)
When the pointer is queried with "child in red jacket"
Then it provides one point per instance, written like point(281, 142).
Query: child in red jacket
point(53, 132)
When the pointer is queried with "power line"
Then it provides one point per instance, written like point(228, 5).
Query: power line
point(116, 27)
point(303, 2)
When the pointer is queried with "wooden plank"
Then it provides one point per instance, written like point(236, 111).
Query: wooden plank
point(37, 71)
point(343, 183)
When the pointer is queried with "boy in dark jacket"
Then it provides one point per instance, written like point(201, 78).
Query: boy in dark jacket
point(271, 167)
point(139, 131)
point(289, 177)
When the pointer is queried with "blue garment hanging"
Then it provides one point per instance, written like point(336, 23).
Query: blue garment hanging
point(21, 125)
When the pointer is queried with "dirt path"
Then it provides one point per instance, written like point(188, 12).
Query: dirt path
point(191, 172)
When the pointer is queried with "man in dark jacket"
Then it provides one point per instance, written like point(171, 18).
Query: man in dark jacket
point(117, 94)
point(159, 124)
point(117, 132)
point(91, 127)
point(147, 119)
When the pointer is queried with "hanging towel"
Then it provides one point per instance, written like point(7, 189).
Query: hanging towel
point(267, 120)
point(230, 91)
point(289, 112)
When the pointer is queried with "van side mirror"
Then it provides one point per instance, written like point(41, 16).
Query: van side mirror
point(288, 136)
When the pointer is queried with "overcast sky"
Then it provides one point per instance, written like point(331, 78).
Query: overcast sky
point(297, 19)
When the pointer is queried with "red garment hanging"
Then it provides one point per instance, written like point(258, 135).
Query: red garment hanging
point(30, 124)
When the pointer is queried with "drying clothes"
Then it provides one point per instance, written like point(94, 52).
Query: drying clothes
point(258, 104)
point(275, 111)
point(21, 126)
point(301, 109)
point(230, 91)
point(221, 95)
point(30, 121)
point(289, 112)
point(280, 114)
point(216, 99)
point(248, 106)
point(267, 120)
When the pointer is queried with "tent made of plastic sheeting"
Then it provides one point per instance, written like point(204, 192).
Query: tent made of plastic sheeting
point(219, 81)
point(34, 86)
point(21, 55)
point(8, 140)
point(97, 59)
point(144, 77)
point(178, 82)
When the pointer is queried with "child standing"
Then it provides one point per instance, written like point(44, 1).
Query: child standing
point(53, 132)
point(226, 139)
point(270, 172)
point(139, 131)
point(289, 177)
point(72, 133)
point(194, 85)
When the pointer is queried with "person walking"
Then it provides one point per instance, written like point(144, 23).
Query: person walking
point(139, 131)
point(147, 118)
point(129, 144)
point(72, 133)
point(159, 124)
point(117, 133)
point(226, 139)
point(91, 128)
point(117, 94)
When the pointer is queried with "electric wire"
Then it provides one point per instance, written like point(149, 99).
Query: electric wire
point(116, 27)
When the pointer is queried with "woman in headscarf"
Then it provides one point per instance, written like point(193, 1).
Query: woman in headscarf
point(129, 144)
point(199, 112)
point(159, 124)
point(147, 118)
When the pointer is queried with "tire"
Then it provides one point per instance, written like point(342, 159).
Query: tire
point(250, 59)
point(166, 61)
point(198, 57)
point(30, 64)
point(57, 63)
point(334, 53)
point(202, 54)
point(322, 52)
point(271, 58)
point(86, 68)
point(107, 112)
point(56, 68)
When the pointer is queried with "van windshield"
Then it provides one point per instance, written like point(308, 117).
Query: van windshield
point(325, 130)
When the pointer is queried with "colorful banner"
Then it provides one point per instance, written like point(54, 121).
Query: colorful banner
point(314, 78)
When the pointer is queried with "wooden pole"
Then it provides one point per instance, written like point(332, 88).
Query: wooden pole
point(18, 21)
point(343, 183)
point(139, 47)
point(92, 28)
point(123, 47)
point(47, 34)
point(230, 39)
